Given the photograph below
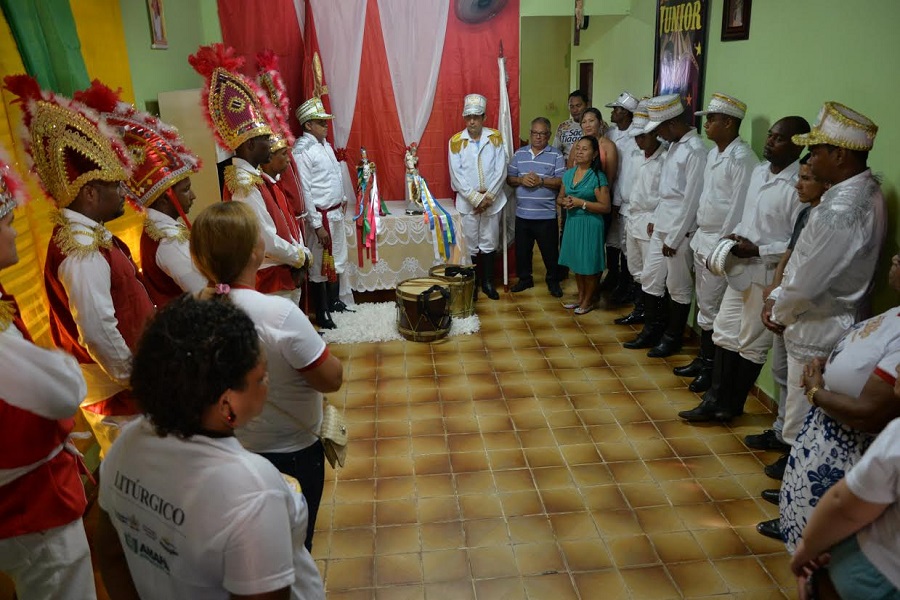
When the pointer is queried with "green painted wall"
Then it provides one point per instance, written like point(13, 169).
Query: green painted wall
point(189, 23)
point(544, 83)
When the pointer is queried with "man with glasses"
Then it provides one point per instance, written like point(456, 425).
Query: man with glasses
point(536, 174)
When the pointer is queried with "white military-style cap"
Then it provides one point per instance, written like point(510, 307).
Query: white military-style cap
point(312, 110)
point(840, 126)
point(639, 119)
point(474, 104)
point(626, 101)
point(725, 105)
point(663, 108)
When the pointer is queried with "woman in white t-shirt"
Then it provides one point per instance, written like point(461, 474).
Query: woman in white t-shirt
point(228, 250)
point(187, 512)
point(852, 535)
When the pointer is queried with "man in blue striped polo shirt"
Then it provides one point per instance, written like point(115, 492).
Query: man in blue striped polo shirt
point(536, 173)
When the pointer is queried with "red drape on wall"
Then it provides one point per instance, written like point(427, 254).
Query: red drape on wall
point(251, 26)
point(468, 65)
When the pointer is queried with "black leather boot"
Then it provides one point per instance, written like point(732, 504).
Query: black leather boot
point(744, 376)
point(654, 323)
point(673, 338)
point(335, 304)
point(487, 275)
point(723, 363)
point(624, 292)
point(636, 316)
point(703, 380)
point(474, 258)
point(320, 299)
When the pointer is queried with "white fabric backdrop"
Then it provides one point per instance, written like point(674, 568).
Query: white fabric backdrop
point(414, 44)
point(300, 9)
point(339, 27)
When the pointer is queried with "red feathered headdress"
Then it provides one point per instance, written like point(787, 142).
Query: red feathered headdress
point(66, 141)
point(270, 80)
point(230, 101)
point(160, 157)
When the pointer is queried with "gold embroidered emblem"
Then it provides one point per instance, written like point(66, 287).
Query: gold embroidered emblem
point(239, 181)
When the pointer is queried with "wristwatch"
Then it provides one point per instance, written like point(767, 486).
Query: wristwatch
point(810, 395)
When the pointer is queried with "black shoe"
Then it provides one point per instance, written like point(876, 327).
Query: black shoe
point(773, 496)
point(667, 346)
point(654, 326)
point(524, 284)
point(319, 295)
point(555, 289)
point(689, 370)
point(703, 381)
point(704, 412)
point(771, 529)
point(335, 304)
point(635, 317)
point(776, 469)
point(767, 440)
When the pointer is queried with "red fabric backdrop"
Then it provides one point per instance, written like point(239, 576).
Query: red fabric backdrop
point(468, 65)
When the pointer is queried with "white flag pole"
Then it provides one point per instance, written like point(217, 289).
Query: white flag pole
point(505, 126)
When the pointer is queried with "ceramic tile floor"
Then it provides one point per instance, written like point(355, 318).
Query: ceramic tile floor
point(540, 459)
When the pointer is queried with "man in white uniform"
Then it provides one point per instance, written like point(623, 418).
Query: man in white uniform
point(828, 279)
point(725, 181)
point(477, 161)
point(641, 206)
point(741, 342)
point(619, 278)
point(668, 263)
point(323, 190)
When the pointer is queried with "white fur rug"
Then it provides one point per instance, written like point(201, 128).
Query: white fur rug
point(377, 322)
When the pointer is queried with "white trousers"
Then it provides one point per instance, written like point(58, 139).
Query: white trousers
point(636, 251)
point(780, 376)
point(338, 246)
point(482, 232)
point(50, 565)
point(796, 406)
point(738, 326)
point(709, 289)
point(672, 273)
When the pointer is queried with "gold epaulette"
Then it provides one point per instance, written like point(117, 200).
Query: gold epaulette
point(239, 181)
point(67, 239)
point(496, 139)
point(7, 314)
point(457, 143)
point(157, 235)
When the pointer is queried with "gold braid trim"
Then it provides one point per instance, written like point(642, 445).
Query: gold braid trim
point(157, 235)
point(67, 239)
point(457, 143)
point(240, 181)
point(7, 313)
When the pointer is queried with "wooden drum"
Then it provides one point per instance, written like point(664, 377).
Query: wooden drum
point(423, 309)
point(461, 281)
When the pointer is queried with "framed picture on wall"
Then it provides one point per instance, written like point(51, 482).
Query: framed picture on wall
point(736, 20)
point(158, 39)
point(679, 58)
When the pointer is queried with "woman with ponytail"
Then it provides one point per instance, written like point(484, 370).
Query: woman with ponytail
point(227, 248)
point(585, 197)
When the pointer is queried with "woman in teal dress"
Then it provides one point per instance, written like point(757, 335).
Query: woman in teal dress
point(585, 197)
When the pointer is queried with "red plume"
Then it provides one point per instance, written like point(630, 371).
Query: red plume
point(99, 96)
point(267, 60)
point(26, 88)
point(208, 58)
